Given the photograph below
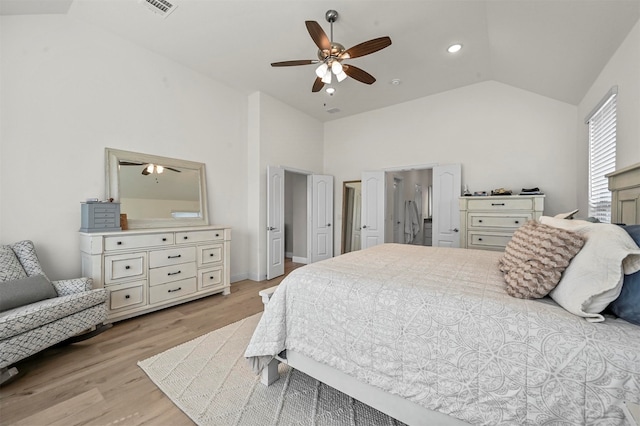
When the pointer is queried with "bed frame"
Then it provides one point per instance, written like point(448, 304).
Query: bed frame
point(624, 185)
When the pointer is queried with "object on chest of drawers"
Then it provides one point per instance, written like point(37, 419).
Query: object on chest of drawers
point(99, 217)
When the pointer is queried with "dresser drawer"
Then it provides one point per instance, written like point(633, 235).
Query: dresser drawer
point(164, 292)
point(488, 220)
point(166, 274)
point(500, 204)
point(127, 266)
point(199, 236)
point(127, 296)
point(124, 242)
point(210, 255)
point(488, 240)
point(175, 256)
point(211, 278)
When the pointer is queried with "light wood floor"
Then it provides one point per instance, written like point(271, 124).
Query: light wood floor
point(98, 381)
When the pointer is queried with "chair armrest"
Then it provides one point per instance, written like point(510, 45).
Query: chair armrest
point(72, 286)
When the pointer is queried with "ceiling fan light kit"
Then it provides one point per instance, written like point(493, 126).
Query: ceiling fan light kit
point(331, 54)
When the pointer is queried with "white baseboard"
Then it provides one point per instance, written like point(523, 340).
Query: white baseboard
point(297, 259)
point(288, 254)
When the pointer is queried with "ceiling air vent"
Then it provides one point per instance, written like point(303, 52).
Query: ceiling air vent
point(161, 7)
point(333, 110)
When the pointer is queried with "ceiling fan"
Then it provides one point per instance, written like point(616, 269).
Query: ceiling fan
point(331, 55)
point(149, 168)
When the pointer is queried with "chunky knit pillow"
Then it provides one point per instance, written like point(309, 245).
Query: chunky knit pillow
point(535, 258)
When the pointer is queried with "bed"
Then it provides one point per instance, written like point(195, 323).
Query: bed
point(429, 335)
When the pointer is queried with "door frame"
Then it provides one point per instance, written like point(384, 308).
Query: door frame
point(309, 204)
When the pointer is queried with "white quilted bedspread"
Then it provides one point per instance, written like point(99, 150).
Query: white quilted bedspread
point(436, 326)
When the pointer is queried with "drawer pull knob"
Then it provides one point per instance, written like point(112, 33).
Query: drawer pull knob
point(210, 278)
point(517, 221)
point(479, 239)
point(126, 296)
point(174, 273)
point(497, 204)
point(217, 235)
point(211, 254)
point(174, 257)
point(174, 290)
point(480, 221)
point(127, 267)
point(185, 237)
point(119, 243)
point(164, 239)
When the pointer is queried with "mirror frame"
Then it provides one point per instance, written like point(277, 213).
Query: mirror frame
point(113, 158)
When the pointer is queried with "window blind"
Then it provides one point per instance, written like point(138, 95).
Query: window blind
point(602, 156)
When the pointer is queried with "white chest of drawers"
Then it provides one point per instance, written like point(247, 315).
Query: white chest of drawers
point(147, 270)
point(487, 223)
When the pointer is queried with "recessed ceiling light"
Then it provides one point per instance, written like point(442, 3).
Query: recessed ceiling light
point(395, 81)
point(331, 90)
point(454, 48)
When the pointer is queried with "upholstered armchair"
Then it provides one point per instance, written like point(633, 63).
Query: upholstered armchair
point(36, 313)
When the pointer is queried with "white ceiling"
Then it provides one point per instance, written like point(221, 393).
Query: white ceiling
point(553, 48)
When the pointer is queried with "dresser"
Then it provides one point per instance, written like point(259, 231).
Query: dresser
point(146, 270)
point(487, 223)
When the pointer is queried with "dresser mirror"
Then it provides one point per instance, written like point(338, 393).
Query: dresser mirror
point(156, 192)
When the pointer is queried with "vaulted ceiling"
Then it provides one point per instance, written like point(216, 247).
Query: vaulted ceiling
point(553, 48)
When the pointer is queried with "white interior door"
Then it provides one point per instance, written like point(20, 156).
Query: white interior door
point(447, 184)
point(275, 222)
point(321, 217)
point(357, 218)
point(373, 197)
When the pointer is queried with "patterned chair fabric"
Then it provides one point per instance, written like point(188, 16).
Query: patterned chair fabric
point(29, 329)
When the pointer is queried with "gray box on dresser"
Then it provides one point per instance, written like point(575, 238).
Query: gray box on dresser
point(97, 217)
point(150, 269)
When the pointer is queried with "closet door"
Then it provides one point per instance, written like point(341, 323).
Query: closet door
point(447, 185)
point(321, 217)
point(275, 222)
point(373, 199)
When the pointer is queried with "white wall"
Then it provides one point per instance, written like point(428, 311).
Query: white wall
point(502, 136)
point(279, 135)
point(68, 91)
point(623, 70)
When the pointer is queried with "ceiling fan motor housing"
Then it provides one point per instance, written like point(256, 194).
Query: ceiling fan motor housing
point(336, 50)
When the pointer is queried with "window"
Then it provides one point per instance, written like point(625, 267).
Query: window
point(602, 155)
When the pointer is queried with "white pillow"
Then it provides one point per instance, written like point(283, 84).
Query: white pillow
point(594, 277)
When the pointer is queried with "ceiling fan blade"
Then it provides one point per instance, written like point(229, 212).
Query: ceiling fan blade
point(294, 63)
point(317, 85)
point(145, 171)
point(173, 170)
point(318, 35)
point(129, 163)
point(366, 47)
point(359, 74)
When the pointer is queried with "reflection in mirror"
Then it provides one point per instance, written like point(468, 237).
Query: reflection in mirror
point(157, 191)
point(351, 215)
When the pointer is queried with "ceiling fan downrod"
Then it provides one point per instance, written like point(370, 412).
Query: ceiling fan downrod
point(331, 16)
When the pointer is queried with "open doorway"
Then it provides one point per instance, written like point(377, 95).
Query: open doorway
point(309, 218)
point(295, 217)
point(412, 209)
point(414, 205)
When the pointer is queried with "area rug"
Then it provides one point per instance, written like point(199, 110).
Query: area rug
point(209, 379)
